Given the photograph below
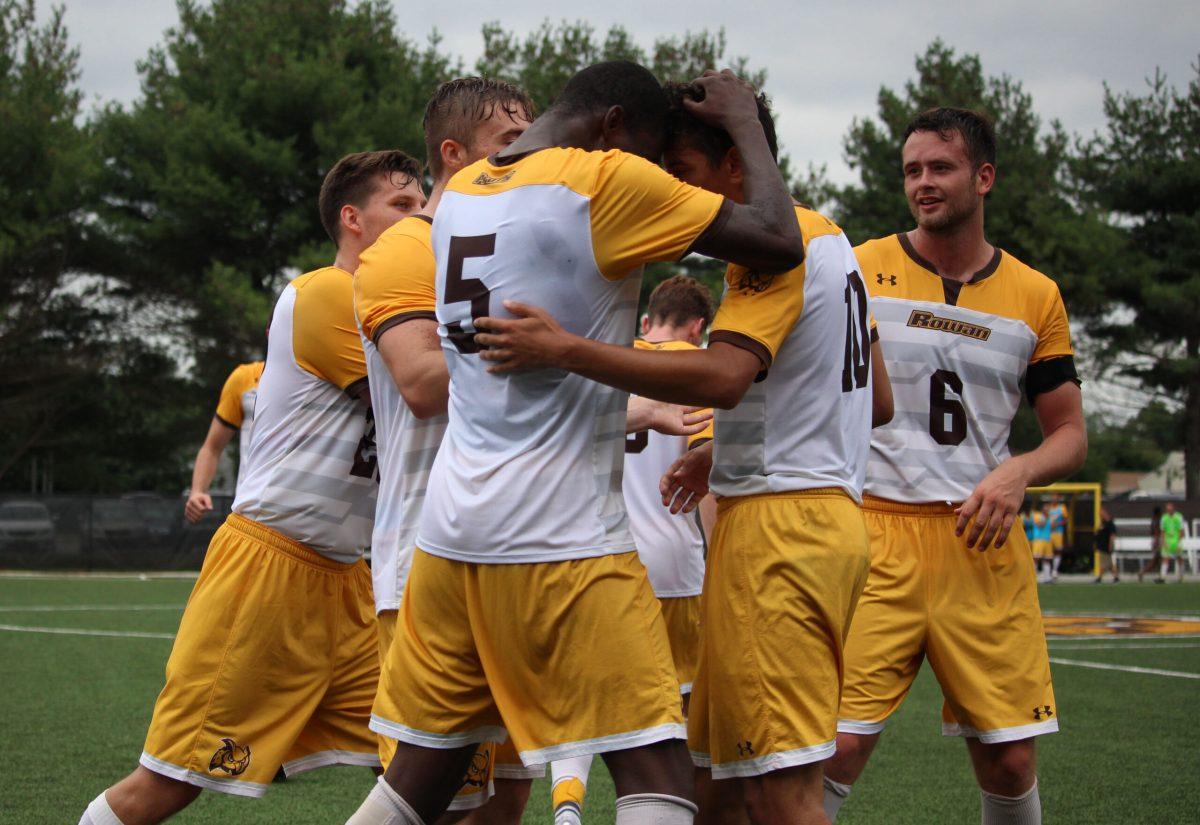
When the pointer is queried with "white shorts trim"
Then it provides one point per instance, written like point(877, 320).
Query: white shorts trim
point(442, 741)
point(701, 759)
point(773, 761)
point(993, 737)
point(862, 728)
point(685, 688)
point(322, 759)
point(469, 802)
point(236, 787)
point(507, 771)
point(603, 744)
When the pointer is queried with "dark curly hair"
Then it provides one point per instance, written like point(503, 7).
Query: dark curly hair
point(711, 141)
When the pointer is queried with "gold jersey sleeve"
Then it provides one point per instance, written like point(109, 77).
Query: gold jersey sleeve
point(707, 433)
point(243, 378)
point(324, 333)
point(395, 280)
point(758, 311)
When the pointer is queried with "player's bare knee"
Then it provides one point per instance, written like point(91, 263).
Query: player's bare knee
point(508, 805)
point(146, 797)
point(853, 752)
point(1007, 768)
point(662, 768)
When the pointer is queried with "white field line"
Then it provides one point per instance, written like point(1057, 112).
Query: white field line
point(1168, 646)
point(85, 608)
point(126, 576)
point(79, 631)
point(1152, 671)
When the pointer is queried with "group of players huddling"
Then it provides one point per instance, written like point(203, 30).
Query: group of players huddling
point(481, 339)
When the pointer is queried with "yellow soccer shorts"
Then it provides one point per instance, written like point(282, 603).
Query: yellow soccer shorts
point(275, 664)
point(974, 615)
point(1056, 542)
point(477, 787)
point(783, 575)
point(682, 616)
point(565, 658)
point(1041, 549)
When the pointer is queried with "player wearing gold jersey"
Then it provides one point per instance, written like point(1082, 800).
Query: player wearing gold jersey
point(963, 326)
point(275, 661)
point(235, 414)
point(789, 364)
point(524, 497)
point(395, 300)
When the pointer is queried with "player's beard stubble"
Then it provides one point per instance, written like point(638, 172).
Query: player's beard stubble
point(957, 209)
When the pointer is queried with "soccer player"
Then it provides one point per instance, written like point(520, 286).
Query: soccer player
point(1105, 538)
point(1173, 530)
point(275, 662)
point(1058, 533)
point(235, 414)
point(526, 610)
point(670, 545)
point(962, 324)
point(789, 364)
point(466, 119)
point(1040, 542)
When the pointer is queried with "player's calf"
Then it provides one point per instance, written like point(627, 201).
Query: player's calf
point(142, 798)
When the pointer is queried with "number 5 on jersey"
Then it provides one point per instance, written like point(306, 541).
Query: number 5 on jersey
point(460, 289)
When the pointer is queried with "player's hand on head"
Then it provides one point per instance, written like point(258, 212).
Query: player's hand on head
point(686, 481)
point(197, 505)
point(724, 98)
point(991, 510)
point(530, 340)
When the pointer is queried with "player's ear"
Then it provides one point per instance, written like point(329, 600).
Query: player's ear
point(612, 127)
point(985, 178)
point(732, 166)
point(454, 154)
point(645, 324)
point(349, 219)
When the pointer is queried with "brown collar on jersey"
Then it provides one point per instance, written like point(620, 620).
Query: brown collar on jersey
point(950, 288)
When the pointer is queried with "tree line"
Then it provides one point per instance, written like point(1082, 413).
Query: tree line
point(142, 245)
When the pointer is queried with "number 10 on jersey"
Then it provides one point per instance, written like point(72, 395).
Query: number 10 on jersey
point(858, 336)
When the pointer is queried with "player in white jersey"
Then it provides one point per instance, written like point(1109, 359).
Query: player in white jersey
point(671, 545)
point(789, 365)
point(526, 602)
point(963, 326)
point(465, 120)
point(275, 662)
point(235, 414)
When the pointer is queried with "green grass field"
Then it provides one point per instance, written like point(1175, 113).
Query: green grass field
point(75, 709)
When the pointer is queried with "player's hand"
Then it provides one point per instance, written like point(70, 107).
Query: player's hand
point(530, 340)
point(993, 505)
point(727, 99)
point(668, 419)
point(686, 481)
point(197, 505)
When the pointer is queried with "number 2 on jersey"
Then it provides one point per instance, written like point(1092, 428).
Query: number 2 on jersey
point(858, 336)
point(460, 289)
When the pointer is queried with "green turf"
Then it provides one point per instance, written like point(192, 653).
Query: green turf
point(75, 709)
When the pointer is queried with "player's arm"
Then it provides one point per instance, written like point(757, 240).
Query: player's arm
point(685, 483)
point(668, 419)
point(714, 377)
point(413, 355)
point(882, 405)
point(199, 502)
point(995, 502)
point(761, 233)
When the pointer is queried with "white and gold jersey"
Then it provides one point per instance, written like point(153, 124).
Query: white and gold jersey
point(671, 546)
point(235, 409)
point(806, 421)
point(530, 468)
point(310, 471)
point(957, 355)
point(394, 283)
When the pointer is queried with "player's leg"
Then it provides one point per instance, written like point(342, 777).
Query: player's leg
point(568, 658)
point(987, 646)
point(885, 645)
point(224, 719)
point(785, 573)
point(143, 798)
point(1007, 775)
point(511, 786)
point(433, 698)
point(568, 786)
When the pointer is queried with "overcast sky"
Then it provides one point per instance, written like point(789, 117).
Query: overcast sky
point(825, 64)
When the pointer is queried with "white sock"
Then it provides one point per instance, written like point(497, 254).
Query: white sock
point(383, 806)
point(654, 809)
point(835, 795)
point(1025, 809)
point(99, 813)
point(568, 797)
point(1163, 574)
point(1054, 565)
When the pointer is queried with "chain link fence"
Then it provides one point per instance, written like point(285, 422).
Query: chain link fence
point(137, 531)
